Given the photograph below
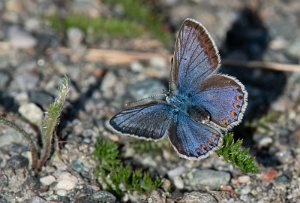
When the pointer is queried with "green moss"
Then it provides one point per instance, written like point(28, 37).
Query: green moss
point(118, 178)
point(232, 152)
point(138, 19)
point(99, 26)
point(139, 11)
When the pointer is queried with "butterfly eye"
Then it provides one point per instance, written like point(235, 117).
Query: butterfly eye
point(189, 95)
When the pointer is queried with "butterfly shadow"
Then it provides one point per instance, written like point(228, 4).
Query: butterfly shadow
point(246, 40)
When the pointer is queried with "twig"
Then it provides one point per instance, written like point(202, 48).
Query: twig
point(118, 57)
point(260, 64)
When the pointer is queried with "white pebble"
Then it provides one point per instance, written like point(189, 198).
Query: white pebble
point(47, 180)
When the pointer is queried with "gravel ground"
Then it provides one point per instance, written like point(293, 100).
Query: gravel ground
point(34, 57)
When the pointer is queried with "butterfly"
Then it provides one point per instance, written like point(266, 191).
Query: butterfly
point(200, 104)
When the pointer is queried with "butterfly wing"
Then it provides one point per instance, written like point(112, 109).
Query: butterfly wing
point(195, 57)
point(148, 121)
point(192, 140)
point(224, 97)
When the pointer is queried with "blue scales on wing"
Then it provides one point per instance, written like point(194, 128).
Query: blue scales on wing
point(224, 97)
point(195, 57)
point(148, 121)
point(192, 140)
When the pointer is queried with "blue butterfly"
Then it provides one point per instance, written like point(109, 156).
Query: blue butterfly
point(200, 103)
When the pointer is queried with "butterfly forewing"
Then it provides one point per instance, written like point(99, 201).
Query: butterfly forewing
point(195, 57)
point(148, 121)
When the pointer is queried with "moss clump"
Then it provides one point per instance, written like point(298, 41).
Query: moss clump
point(115, 176)
point(100, 27)
point(141, 12)
point(232, 152)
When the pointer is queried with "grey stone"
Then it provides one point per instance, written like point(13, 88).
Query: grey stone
point(18, 162)
point(200, 178)
point(3, 181)
point(20, 39)
point(104, 196)
point(32, 113)
point(9, 136)
point(4, 79)
point(198, 197)
point(146, 88)
point(37, 199)
point(3, 199)
point(26, 81)
point(77, 166)
point(75, 37)
point(41, 98)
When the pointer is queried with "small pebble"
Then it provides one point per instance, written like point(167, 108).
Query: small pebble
point(66, 181)
point(104, 196)
point(198, 197)
point(178, 182)
point(47, 180)
point(20, 39)
point(199, 178)
point(61, 192)
point(37, 199)
point(244, 179)
point(18, 162)
point(176, 171)
point(32, 113)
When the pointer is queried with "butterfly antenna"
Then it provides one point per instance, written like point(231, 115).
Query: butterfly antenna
point(157, 98)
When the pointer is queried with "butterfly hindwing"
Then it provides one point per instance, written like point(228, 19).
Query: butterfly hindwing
point(192, 140)
point(224, 97)
point(195, 57)
point(148, 121)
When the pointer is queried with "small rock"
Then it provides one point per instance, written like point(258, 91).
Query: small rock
point(9, 136)
point(37, 199)
point(136, 66)
point(20, 39)
point(294, 48)
point(41, 98)
point(3, 181)
point(178, 182)
point(47, 180)
point(166, 185)
point(198, 197)
point(77, 166)
point(244, 179)
point(283, 179)
point(262, 140)
point(246, 190)
point(199, 178)
point(75, 37)
point(285, 157)
point(157, 196)
point(32, 24)
point(146, 88)
point(104, 196)
point(32, 113)
point(4, 79)
point(3, 199)
point(31, 183)
point(176, 171)
point(269, 175)
point(26, 81)
point(18, 162)
point(61, 192)
point(108, 84)
point(66, 181)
